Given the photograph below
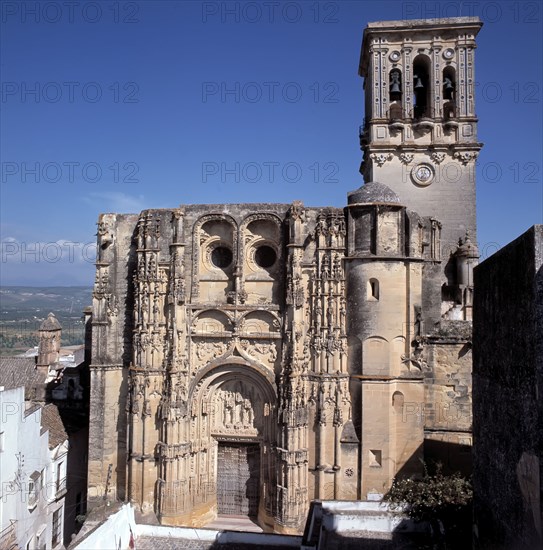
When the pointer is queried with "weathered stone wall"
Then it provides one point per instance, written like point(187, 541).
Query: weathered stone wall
point(191, 347)
point(111, 355)
point(384, 323)
point(171, 330)
point(187, 354)
point(448, 401)
point(508, 395)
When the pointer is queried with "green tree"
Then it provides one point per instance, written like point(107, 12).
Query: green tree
point(442, 500)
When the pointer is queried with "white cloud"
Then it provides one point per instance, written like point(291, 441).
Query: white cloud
point(115, 201)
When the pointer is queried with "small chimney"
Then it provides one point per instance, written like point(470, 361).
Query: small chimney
point(49, 335)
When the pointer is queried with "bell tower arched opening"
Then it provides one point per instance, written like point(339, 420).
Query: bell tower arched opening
point(449, 93)
point(421, 86)
point(395, 94)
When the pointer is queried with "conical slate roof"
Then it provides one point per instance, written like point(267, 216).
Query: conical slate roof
point(373, 192)
point(50, 323)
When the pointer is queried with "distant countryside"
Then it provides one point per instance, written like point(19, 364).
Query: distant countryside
point(23, 308)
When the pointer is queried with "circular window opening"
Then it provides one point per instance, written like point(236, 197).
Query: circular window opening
point(221, 257)
point(265, 256)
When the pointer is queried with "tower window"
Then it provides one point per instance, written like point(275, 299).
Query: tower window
point(395, 86)
point(373, 289)
point(397, 401)
point(449, 92)
point(395, 95)
point(421, 86)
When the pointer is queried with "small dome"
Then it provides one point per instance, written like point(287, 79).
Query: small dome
point(373, 192)
point(50, 323)
point(466, 248)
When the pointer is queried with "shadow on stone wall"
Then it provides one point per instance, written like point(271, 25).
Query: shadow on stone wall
point(452, 456)
point(127, 357)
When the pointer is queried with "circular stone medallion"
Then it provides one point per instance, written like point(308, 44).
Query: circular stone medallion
point(422, 174)
point(394, 56)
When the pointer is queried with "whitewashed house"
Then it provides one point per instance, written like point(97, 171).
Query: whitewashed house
point(33, 452)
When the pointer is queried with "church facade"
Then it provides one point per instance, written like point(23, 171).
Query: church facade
point(249, 358)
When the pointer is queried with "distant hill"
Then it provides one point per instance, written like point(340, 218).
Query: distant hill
point(68, 299)
point(23, 308)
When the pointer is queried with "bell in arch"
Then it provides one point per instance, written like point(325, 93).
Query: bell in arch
point(448, 88)
point(418, 83)
point(395, 83)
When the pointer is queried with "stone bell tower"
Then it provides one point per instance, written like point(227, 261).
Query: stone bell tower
point(412, 248)
point(420, 128)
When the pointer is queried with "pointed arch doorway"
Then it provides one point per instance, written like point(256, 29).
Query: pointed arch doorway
point(238, 401)
point(238, 429)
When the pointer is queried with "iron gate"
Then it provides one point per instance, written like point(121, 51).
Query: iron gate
point(238, 479)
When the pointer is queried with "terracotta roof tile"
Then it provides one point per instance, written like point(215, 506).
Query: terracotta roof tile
point(51, 421)
point(19, 371)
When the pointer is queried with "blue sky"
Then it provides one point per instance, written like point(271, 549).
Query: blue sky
point(120, 106)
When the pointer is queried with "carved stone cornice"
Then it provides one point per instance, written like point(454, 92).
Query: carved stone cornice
point(438, 157)
point(380, 158)
point(107, 366)
point(466, 157)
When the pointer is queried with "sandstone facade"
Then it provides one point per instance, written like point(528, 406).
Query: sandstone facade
point(249, 358)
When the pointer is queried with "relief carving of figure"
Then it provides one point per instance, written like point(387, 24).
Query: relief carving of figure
point(317, 343)
point(156, 310)
point(111, 305)
point(298, 294)
point(144, 305)
point(325, 268)
point(151, 268)
point(181, 392)
point(248, 414)
point(229, 409)
point(322, 226)
point(337, 272)
point(235, 412)
point(334, 232)
point(105, 235)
